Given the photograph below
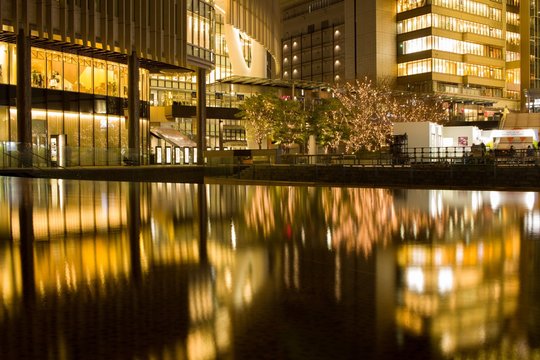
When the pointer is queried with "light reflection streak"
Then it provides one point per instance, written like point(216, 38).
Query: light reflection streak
point(445, 262)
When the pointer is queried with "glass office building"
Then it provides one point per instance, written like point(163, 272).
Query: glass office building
point(90, 71)
point(468, 52)
point(81, 97)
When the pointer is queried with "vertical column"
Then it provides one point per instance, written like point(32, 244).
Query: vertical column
point(201, 115)
point(525, 48)
point(203, 219)
point(134, 140)
point(24, 100)
point(134, 230)
point(26, 238)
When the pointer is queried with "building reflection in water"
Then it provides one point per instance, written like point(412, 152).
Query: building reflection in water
point(137, 270)
point(459, 270)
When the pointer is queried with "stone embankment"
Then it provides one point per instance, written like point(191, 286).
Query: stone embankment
point(482, 177)
point(453, 176)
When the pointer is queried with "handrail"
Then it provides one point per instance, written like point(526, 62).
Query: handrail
point(423, 156)
point(10, 157)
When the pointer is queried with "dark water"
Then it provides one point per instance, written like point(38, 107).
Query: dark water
point(110, 270)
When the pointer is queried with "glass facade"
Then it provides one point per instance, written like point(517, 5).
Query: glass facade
point(535, 45)
point(166, 90)
point(80, 97)
point(465, 54)
point(200, 29)
point(447, 23)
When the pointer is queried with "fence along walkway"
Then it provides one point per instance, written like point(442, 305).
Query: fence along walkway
point(424, 156)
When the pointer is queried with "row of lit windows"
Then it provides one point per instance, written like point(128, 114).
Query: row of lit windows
point(449, 45)
point(92, 138)
point(201, 25)
point(448, 67)
point(469, 90)
point(512, 38)
point(512, 56)
point(470, 7)
point(446, 23)
point(64, 71)
point(513, 76)
point(406, 5)
point(512, 18)
point(181, 88)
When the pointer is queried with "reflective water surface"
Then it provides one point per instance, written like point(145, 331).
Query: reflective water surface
point(116, 270)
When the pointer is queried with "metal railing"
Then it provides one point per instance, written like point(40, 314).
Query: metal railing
point(422, 156)
point(10, 157)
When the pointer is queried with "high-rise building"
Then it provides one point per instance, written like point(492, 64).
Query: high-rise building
point(85, 75)
point(245, 43)
point(468, 52)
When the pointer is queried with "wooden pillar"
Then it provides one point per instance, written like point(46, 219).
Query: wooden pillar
point(201, 115)
point(134, 137)
point(24, 100)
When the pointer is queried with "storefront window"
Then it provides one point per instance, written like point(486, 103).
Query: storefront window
point(71, 72)
point(123, 134)
point(124, 81)
point(13, 64)
point(100, 131)
point(113, 133)
point(113, 82)
point(87, 131)
point(39, 133)
point(55, 73)
point(91, 138)
point(100, 77)
point(38, 68)
point(4, 63)
point(4, 123)
point(86, 78)
point(71, 129)
point(144, 82)
point(54, 120)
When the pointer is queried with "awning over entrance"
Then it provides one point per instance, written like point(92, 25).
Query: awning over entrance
point(172, 136)
point(299, 84)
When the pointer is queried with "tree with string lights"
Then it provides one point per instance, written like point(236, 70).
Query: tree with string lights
point(412, 107)
point(328, 123)
point(290, 120)
point(366, 112)
point(370, 109)
point(259, 113)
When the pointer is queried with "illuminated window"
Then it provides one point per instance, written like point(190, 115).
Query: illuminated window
point(414, 67)
point(512, 38)
point(405, 5)
point(512, 56)
point(449, 45)
point(513, 76)
point(470, 7)
point(447, 23)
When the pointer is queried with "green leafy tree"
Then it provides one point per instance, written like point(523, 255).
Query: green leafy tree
point(258, 111)
point(328, 123)
point(290, 123)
